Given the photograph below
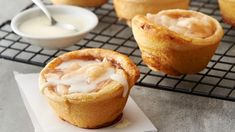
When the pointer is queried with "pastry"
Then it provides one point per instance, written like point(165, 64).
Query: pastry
point(84, 3)
point(89, 87)
point(177, 41)
point(127, 9)
point(227, 9)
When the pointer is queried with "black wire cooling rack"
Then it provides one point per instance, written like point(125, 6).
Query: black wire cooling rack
point(217, 80)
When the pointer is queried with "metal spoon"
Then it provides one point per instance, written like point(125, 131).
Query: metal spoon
point(52, 20)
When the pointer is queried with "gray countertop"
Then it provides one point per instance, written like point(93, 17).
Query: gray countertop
point(169, 111)
point(9, 8)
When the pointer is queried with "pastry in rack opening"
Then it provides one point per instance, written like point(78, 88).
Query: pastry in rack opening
point(89, 87)
point(127, 9)
point(83, 3)
point(227, 9)
point(177, 41)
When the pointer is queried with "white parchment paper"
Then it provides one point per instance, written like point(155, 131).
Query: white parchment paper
point(44, 119)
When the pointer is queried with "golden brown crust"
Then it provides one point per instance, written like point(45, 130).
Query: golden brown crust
point(90, 110)
point(158, 63)
point(104, 125)
point(84, 3)
point(127, 9)
point(227, 9)
point(173, 53)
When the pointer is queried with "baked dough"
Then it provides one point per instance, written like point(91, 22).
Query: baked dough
point(127, 9)
point(227, 9)
point(93, 109)
point(177, 41)
point(84, 3)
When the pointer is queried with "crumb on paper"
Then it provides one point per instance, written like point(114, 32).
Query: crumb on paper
point(151, 131)
point(123, 123)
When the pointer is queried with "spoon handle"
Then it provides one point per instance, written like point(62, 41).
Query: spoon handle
point(43, 8)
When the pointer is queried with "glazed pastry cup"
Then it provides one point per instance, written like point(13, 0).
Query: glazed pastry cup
point(84, 3)
point(94, 109)
point(227, 9)
point(173, 53)
point(127, 9)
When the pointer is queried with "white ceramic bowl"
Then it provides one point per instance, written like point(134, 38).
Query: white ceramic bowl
point(57, 41)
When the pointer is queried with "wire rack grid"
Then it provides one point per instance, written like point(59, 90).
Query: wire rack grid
point(217, 80)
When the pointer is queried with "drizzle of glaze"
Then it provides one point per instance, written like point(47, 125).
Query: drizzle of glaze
point(192, 26)
point(84, 75)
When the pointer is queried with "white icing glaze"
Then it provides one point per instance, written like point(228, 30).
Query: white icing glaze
point(66, 64)
point(86, 77)
point(121, 79)
point(85, 87)
point(40, 25)
point(191, 26)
